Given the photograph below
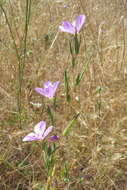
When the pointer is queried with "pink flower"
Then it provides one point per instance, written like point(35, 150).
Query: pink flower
point(48, 90)
point(73, 27)
point(54, 138)
point(40, 132)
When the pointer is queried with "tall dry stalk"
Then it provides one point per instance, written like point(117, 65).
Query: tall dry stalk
point(20, 54)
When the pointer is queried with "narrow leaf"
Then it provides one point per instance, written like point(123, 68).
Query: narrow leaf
point(71, 48)
point(50, 115)
point(66, 84)
point(80, 75)
point(77, 44)
point(70, 125)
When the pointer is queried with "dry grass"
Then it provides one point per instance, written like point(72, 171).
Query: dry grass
point(96, 149)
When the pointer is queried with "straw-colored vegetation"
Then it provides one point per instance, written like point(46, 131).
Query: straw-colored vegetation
point(94, 154)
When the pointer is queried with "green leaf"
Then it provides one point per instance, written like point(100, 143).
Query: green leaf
point(66, 84)
point(77, 43)
point(73, 61)
point(50, 115)
point(70, 125)
point(71, 48)
point(80, 75)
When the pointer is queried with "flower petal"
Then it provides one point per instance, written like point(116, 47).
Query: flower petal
point(47, 84)
point(49, 92)
point(53, 138)
point(40, 128)
point(79, 21)
point(67, 27)
point(55, 85)
point(53, 89)
point(31, 137)
point(48, 130)
point(40, 91)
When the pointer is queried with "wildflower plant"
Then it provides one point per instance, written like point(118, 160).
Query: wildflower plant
point(74, 27)
point(48, 90)
point(40, 132)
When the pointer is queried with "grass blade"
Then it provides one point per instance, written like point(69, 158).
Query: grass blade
point(70, 125)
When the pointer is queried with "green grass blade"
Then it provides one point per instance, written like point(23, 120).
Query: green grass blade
point(70, 125)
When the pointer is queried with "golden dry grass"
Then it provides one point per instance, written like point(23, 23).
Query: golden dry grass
point(96, 149)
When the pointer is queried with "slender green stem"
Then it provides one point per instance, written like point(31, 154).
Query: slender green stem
point(21, 58)
point(11, 33)
point(19, 64)
point(27, 19)
point(22, 66)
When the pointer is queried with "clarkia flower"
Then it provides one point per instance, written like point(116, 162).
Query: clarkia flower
point(73, 27)
point(40, 132)
point(48, 90)
point(53, 138)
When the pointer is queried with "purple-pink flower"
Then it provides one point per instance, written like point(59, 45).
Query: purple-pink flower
point(40, 132)
point(53, 138)
point(73, 27)
point(48, 90)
